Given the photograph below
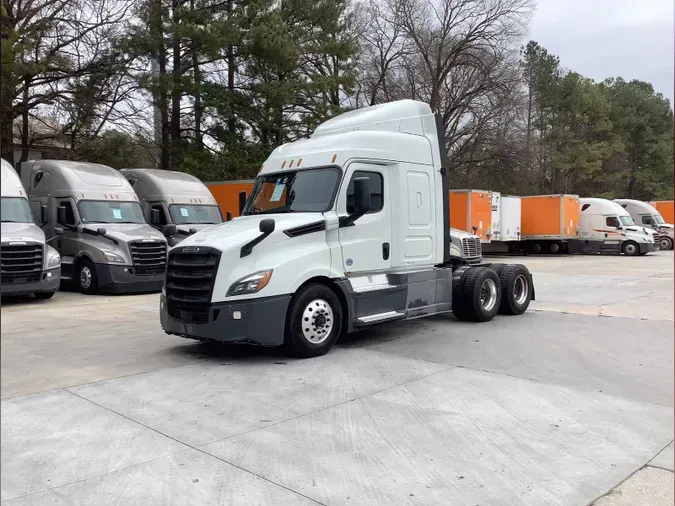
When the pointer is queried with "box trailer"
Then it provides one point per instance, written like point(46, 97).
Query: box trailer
point(471, 211)
point(665, 208)
point(505, 235)
point(231, 196)
point(548, 222)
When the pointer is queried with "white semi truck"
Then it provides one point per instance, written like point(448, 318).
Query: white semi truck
point(343, 230)
point(176, 203)
point(28, 264)
point(106, 245)
point(606, 227)
point(646, 215)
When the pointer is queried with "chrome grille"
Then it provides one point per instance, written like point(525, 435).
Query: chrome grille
point(471, 248)
point(148, 257)
point(20, 263)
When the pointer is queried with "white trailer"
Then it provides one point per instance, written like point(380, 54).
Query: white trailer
point(343, 230)
point(646, 215)
point(506, 228)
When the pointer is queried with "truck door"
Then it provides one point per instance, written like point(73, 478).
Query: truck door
point(366, 245)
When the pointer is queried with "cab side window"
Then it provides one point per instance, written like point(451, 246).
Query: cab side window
point(376, 185)
point(160, 213)
point(647, 220)
point(612, 221)
point(70, 213)
point(37, 178)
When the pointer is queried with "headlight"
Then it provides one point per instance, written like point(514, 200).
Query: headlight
point(54, 261)
point(113, 258)
point(250, 284)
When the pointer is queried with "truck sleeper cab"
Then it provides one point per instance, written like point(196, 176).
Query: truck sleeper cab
point(646, 215)
point(606, 227)
point(106, 245)
point(341, 231)
point(175, 203)
point(28, 263)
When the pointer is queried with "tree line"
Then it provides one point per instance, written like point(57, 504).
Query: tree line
point(212, 86)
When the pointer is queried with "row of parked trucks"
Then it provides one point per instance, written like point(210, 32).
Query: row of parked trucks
point(352, 227)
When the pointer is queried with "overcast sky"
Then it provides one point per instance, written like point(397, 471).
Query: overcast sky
point(604, 38)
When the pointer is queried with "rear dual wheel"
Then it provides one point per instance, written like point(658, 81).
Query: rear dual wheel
point(516, 283)
point(476, 294)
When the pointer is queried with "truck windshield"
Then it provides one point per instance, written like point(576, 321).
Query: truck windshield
point(627, 220)
point(658, 219)
point(15, 210)
point(301, 191)
point(96, 211)
point(182, 214)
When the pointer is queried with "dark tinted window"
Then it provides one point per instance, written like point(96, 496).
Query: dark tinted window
point(161, 213)
point(647, 220)
point(585, 206)
point(612, 221)
point(376, 185)
point(70, 213)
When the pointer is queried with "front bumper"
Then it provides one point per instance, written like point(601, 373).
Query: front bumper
point(258, 321)
point(49, 282)
point(647, 247)
point(121, 279)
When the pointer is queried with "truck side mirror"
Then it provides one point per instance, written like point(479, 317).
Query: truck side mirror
point(192, 231)
point(58, 231)
point(101, 231)
point(61, 214)
point(266, 226)
point(169, 230)
point(154, 216)
point(361, 196)
point(43, 214)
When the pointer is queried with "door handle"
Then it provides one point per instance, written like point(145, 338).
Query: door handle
point(385, 250)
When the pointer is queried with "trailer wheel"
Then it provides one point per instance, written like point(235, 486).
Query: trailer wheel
point(630, 248)
point(665, 243)
point(314, 321)
point(516, 289)
point(536, 248)
point(86, 277)
point(554, 248)
point(479, 296)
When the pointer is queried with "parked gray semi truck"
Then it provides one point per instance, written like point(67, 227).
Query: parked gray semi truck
point(175, 203)
point(28, 264)
point(106, 244)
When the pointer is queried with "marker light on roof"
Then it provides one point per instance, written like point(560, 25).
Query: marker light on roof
point(291, 164)
point(283, 164)
point(334, 158)
point(299, 162)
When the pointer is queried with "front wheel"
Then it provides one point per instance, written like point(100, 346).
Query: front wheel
point(630, 249)
point(87, 280)
point(314, 322)
point(478, 297)
point(665, 243)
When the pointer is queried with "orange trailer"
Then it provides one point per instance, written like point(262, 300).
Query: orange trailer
point(549, 217)
point(471, 211)
point(665, 207)
point(230, 196)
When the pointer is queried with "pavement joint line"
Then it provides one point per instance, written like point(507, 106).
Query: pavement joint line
point(622, 482)
point(533, 380)
point(195, 448)
point(660, 467)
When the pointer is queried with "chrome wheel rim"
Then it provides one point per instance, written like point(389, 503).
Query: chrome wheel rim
point(317, 321)
point(521, 290)
point(85, 277)
point(488, 294)
point(664, 243)
point(630, 249)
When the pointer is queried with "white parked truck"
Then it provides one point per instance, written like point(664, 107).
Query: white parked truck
point(465, 246)
point(27, 263)
point(176, 203)
point(606, 227)
point(646, 215)
point(343, 230)
point(106, 244)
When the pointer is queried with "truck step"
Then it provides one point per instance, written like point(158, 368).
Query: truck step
point(373, 318)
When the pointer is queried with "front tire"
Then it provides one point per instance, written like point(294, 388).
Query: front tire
point(630, 248)
point(314, 322)
point(86, 277)
point(478, 297)
point(665, 243)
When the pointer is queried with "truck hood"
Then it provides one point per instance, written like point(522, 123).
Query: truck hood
point(198, 228)
point(234, 234)
point(22, 232)
point(127, 232)
point(460, 234)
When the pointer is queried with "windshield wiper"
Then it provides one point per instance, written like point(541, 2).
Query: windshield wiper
point(9, 221)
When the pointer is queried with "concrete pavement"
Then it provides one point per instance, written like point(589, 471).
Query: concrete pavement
point(558, 406)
